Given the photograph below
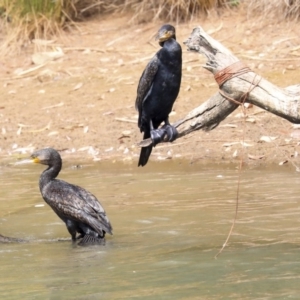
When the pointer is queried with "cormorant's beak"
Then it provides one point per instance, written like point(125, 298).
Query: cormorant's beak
point(36, 160)
point(163, 36)
point(24, 161)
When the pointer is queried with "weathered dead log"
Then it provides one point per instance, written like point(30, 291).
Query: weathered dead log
point(249, 87)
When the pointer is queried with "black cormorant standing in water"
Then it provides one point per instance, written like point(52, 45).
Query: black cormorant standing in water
point(157, 91)
point(78, 208)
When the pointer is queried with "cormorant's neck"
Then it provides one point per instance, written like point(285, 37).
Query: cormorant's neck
point(50, 174)
point(171, 51)
point(162, 43)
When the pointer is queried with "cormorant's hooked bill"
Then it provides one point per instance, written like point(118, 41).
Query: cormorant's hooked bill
point(157, 91)
point(164, 33)
point(77, 207)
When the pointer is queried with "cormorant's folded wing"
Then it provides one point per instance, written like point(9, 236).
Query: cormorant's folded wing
point(146, 81)
point(74, 202)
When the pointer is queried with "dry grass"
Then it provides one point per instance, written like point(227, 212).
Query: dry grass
point(170, 10)
point(276, 9)
point(21, 21)
point(24, 20)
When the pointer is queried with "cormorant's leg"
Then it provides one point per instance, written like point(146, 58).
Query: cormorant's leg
point(72, 230)
point(157, 135)
point(81, 233)
point(171, 131)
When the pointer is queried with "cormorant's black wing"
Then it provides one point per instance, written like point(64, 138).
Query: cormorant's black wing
point(76, 203)
point(146, 81)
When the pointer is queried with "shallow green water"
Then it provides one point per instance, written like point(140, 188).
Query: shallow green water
point(169, 220)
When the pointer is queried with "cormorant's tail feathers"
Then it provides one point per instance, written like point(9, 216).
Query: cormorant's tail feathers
point(144, 155)
point(145, 151)
point(89, 240)
point(101, 224)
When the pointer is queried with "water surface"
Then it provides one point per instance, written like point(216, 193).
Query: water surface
point(170, 220)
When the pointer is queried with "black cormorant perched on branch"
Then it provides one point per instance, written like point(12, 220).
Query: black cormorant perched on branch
point(157, 91)
point(78, 208)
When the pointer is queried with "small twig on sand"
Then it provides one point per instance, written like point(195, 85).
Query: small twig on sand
point(84, 49)
point(125, 120)
point(52, 106)
point(25, 73)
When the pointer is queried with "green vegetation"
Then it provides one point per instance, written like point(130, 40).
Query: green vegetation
point(32, 17)
point(25, 20)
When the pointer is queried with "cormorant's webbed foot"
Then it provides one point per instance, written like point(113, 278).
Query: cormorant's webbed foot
point(80, 236)
point(89, 240)
point(157, 135)
point(171, 132)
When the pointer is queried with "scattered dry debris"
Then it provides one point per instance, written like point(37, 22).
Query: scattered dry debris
point(53, 106)
point(267, 139)
point(255, 157)
point(42, 58)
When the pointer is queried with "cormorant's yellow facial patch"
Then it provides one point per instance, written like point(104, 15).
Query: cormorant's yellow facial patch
point(36, 160)
point(164, 36)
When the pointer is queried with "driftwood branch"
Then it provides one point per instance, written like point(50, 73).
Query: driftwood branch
point(249, 87)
